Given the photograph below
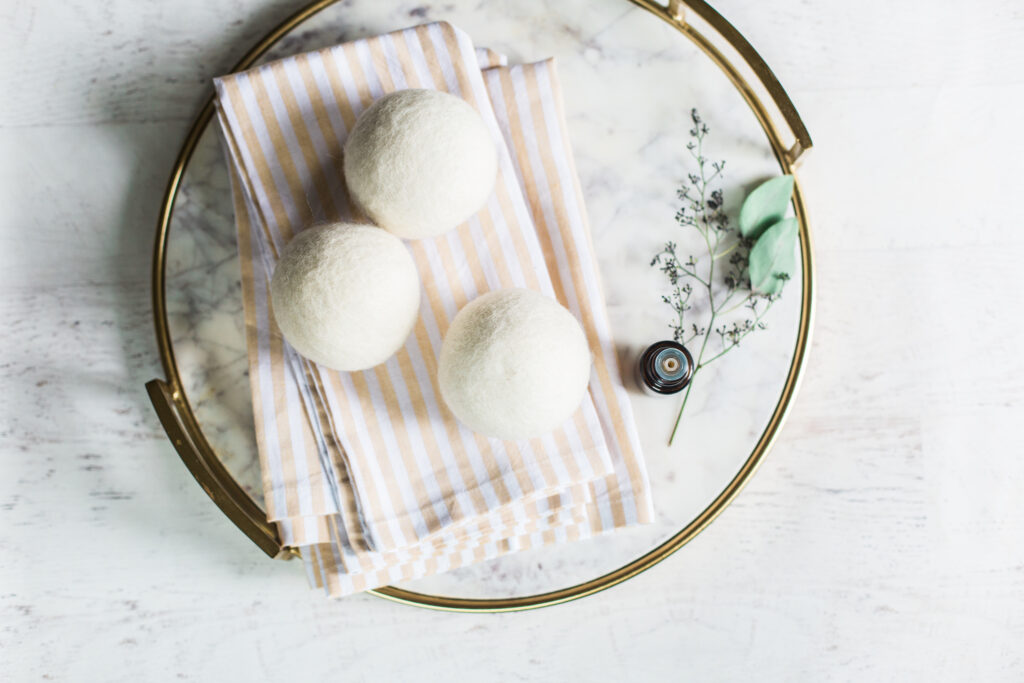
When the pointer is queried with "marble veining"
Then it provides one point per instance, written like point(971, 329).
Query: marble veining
point(629, 134)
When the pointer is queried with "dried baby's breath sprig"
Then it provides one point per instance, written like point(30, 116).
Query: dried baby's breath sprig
point(734, 309)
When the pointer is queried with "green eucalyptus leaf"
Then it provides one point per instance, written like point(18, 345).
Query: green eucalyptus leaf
point(773, 254)
point(765, 206)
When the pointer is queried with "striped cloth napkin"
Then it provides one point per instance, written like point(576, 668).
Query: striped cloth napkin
point(368, 472)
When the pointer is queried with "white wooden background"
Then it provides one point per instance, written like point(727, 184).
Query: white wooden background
point(882, 540)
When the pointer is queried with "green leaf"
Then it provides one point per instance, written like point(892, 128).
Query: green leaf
point(765, 206)
point(773, 254)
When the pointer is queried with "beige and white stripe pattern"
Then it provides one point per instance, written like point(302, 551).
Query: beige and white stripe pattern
point(415, 470)
point(438, 496)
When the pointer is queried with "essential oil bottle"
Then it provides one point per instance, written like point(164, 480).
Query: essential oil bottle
point(664, 368)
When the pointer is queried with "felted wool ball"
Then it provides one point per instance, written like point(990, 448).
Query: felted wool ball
point(514, 364)
point(346, 295)
point(419, 162)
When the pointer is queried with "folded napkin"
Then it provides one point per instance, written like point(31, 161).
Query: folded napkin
point(368, 472)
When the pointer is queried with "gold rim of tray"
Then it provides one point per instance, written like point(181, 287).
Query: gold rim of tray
point(182, 427)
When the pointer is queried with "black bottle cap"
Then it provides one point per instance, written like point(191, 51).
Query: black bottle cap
point(665, 367)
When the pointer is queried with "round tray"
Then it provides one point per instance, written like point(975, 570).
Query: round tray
point(604, 47)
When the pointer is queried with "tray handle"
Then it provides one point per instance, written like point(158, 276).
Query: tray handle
point(208, 470)
point(675, 13)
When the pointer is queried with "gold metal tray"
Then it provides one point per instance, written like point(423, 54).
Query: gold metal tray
point(788, 141)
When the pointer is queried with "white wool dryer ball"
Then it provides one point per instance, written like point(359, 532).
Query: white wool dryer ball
point(419, 162)
point(514, 364)
point(346, 295)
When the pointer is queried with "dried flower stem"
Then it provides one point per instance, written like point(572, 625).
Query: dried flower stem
point(703, 211)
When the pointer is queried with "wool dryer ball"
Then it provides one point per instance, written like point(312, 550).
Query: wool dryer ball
point(346, 295)
point(514, 364)
point(420, 162)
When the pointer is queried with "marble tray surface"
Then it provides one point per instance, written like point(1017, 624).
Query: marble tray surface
point(629, 89)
